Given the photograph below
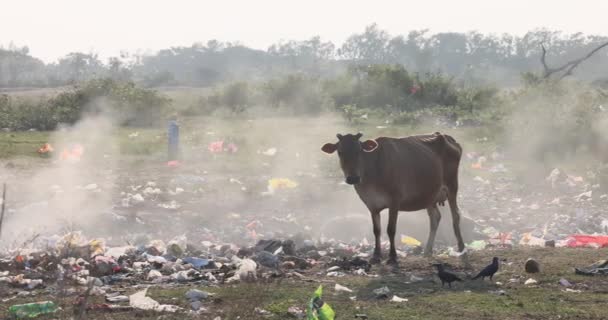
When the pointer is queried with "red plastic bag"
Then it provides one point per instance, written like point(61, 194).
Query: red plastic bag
point(581, 240)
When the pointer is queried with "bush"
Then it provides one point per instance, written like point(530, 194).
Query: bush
point(299, 94)
point(122, 101)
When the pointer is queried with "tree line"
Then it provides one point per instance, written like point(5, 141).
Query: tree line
point(472, 57)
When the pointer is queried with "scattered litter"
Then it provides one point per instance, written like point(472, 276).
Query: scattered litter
point(530, 282)
point(382, 293)
point(279, 184)
point(196, 295)
point(270, 152)
point(589, 241)
point(598, 268)
point(398, 299)
point(117, 299)
point(296, 312)
point(262, 312)
point(340, 288)
point(317, 309)
point(32, 310)
point(139, 300)
point(410, 241)
point(499, 292)
point(565, 282)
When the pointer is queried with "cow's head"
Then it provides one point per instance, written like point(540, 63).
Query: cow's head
point(350, 150)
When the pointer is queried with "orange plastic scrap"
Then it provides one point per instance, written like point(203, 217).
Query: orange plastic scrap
point(46, 148)
point(476, 165)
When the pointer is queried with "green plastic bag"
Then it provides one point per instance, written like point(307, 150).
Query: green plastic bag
point(317, 309)
point(32, 310)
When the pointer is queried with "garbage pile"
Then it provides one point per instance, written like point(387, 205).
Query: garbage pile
point(561, 210)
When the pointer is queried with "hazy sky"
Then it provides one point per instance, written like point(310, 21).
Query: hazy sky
point(52, 28)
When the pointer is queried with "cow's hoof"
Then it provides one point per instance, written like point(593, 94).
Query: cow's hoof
point(375, 260)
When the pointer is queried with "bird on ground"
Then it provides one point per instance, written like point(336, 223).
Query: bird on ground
point(446, 276)
point(489, 270)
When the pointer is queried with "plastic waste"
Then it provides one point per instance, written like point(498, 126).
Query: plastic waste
point(382, 293)
point(477, 245)
point(155, 259)
point(296, 312)
point(565, 282)
point(117, 299)
point(46, 150)
point(246, 269)
point(410, 241)
point(267, 259)
point(139, 300)
point(398, 299)
point(280, 183)
point(317, 309)
point(32, 310)
point(196, 295)
point(177, 245)
point(270, 152)
point(529, 240)
point(342, 288)
point(580, 240)
point(598, 268)
point(197, 263)
point(154, 274)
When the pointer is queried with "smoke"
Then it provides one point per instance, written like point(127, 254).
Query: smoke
point(73, 190)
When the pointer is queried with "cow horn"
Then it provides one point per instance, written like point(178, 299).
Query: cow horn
point(359, 135)
point(339, 136)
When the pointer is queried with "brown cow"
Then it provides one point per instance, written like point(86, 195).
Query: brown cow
point(402, 174)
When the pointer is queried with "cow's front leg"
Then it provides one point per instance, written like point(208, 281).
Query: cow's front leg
point(377, 258)
point(391, 230)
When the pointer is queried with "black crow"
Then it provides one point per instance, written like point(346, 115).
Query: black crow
point(488, 271)
point(446, 276)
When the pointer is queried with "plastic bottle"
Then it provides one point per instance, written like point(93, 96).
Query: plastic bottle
point(32, 310)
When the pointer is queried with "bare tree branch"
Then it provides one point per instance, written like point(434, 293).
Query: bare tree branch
point(575, 63)
point(569, 66)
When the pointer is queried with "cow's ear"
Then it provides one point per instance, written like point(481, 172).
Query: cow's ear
point(329, 147)
point(369, 145)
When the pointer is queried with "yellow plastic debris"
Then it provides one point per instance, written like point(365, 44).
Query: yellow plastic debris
point(281, 183)
point(96, 247)
point(409, 241)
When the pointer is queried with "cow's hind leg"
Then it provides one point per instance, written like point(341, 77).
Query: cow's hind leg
point(456, 219)
point(434, 217)
point(391, 229)
point(377, 258)
point(452, 194)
